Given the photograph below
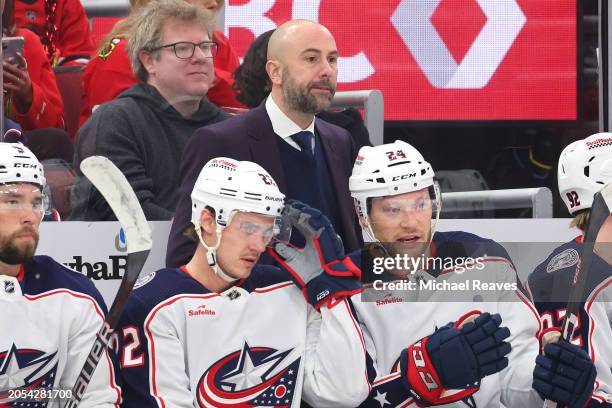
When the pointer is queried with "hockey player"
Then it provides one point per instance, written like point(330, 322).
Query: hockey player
point(585, 166)
point(224, 331)
point(49, 315)
point(414, 356)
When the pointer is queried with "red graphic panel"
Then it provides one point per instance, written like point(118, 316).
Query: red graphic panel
point(441, 59)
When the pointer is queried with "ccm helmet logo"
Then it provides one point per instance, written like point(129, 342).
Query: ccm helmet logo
point(403, 177)
point(25, 165)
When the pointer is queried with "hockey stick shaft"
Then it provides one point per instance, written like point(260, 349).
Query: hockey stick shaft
point(600, 210)
point(119, 194)
point(136, 262)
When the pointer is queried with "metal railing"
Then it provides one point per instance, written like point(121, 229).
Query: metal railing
point(106, 8)
point(373, 107)
point(538, 199)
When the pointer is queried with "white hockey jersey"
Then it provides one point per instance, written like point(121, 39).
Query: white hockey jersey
point(256, 344)
point(49, 317)
point(393, 319)
point(549, 286)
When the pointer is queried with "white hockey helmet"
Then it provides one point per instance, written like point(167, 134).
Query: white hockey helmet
point(585, 167)
point(228, 185)
point(389, 169)
point(19, 165)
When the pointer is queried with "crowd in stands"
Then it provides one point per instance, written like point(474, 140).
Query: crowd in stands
point(161, 75)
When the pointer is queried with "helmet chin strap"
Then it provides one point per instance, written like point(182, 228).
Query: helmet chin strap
point(211, 255)
point(370, 233)
point(434, 222)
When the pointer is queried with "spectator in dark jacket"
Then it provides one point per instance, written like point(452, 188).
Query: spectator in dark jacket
point(145, 130)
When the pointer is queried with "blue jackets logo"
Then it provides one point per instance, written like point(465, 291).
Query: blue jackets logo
point(25, 369)
point(251, 377)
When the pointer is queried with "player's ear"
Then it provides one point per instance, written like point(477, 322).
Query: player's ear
point(207, 221)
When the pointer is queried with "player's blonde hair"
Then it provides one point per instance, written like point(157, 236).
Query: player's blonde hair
point(581, 220)
point(145, 29)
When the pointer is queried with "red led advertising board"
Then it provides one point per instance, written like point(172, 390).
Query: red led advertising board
point(441, 59)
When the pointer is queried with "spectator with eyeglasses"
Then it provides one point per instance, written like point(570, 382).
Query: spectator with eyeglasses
point(145, 130)
point(109, 72)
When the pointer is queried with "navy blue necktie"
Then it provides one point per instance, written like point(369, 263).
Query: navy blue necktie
point(304, 140)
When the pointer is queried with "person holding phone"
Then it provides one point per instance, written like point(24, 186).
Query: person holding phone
point(31, 97)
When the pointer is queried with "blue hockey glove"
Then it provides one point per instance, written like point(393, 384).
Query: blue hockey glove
point(448, 365)
point(320, 269)
point(565, 374)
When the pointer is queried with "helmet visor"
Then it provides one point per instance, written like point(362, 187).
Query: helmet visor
point(19, 198)
point(264, 227)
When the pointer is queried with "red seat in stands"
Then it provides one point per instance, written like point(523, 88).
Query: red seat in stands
point(70, 84)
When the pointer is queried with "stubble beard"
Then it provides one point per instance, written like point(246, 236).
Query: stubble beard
point(300, 99)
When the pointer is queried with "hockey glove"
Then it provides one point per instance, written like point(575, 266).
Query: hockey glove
point(564, 373)
point(320, 269)
point(448, 365)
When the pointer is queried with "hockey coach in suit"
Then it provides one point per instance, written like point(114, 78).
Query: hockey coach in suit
point(310, 159)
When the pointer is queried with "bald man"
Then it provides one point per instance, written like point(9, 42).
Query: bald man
point(309, 158)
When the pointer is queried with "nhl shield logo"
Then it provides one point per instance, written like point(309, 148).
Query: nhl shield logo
point(9, 286)
point(565, 259)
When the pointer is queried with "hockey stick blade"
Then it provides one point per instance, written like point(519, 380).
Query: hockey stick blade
point(600, 210)
point(120, 196)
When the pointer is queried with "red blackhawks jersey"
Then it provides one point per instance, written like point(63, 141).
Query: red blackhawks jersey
point(49, 319)
point(256, 344)
point(62, 26)
point(394, 318)
point(47, 109)
point(550, 285)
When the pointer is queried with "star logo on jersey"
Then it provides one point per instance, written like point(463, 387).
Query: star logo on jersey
point(25, 369)
point(381, 398)
point(253, 376)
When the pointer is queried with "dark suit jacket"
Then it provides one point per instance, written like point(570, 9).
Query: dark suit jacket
point(250, 136)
